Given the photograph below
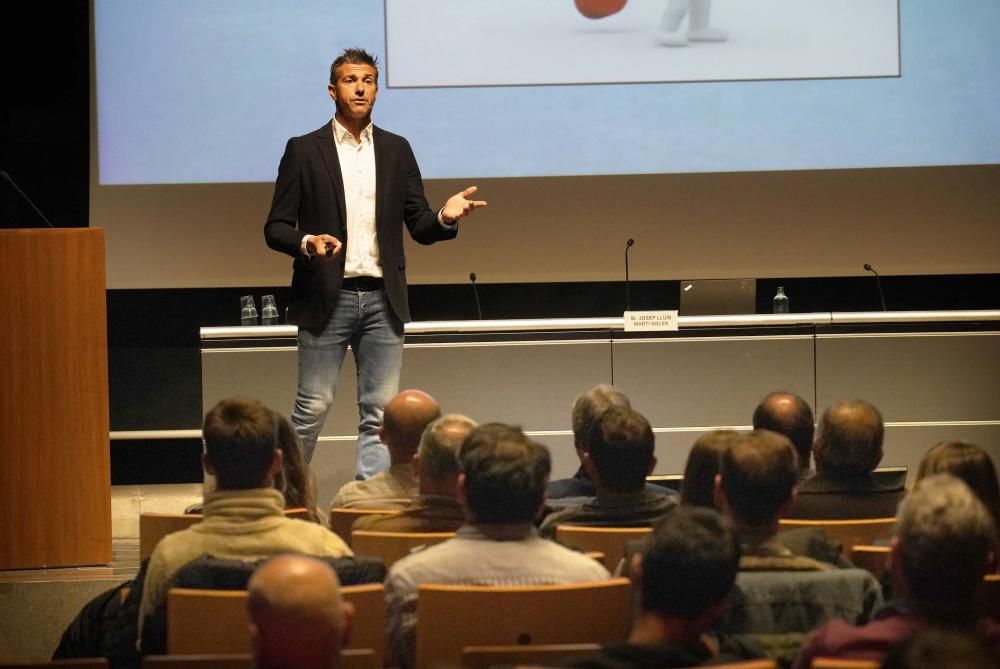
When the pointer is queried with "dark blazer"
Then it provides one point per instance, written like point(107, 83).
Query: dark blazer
point(829, 497)
point(309, 199)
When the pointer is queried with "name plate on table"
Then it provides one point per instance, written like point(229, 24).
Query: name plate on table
point(647, 321)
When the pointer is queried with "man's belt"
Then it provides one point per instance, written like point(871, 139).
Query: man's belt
point(363, 283)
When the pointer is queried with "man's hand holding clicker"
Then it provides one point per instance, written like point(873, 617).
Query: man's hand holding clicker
point(324, 246)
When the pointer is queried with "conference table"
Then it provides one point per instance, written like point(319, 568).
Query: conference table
point(935, 375)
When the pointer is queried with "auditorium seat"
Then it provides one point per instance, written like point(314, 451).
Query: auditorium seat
point(608, 540)
point(193, 620)
point(837, 663)
point(547, 655)
point(391, 546)
point(342, 520)
point(554, 614)
point(72, 663)
point(847, 533)
point(350, 658)
point(873, 559)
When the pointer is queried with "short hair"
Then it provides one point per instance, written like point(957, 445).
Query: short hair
point(759, 472)
point(241, 436)
point(440, 443)
point(353, 56)
point(690, 562)
point(788, 414)
point(505, 474)
point(703, 464)
point(945, 536)
point(969, 463)
point(589, 406)
point(621, 446)
point(849, 438)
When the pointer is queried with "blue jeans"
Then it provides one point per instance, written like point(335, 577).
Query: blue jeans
point(365, 321)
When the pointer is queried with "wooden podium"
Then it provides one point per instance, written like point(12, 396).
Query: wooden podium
point(55, 480)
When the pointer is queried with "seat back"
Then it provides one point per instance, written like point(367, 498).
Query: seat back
point(552, 614)
point(155, 526)
point(838, 663)
point(608, 540)
point(391, 546)
point(874, 559)
point(988, 599)
point(70, 663)
point(341, 520)
point(549, 655)
point(847, 532)
point(350, 658)
point(194, 617)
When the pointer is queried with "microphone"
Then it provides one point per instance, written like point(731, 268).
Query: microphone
point(878, 282)
point(628, 296)
point(475, 291)
point(6, 177)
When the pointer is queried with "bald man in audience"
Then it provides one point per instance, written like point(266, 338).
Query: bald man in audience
point(847, 450)
point(406, 416)
point(436, 508)
point(297, 618)
point(789, 415)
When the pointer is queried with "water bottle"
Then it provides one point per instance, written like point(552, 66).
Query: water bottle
point(248, 311)
point(268, 311)
point(781, 301)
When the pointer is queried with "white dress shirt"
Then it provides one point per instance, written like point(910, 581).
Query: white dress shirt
point(357, 167)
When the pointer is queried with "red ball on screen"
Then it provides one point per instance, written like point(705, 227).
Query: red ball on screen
point(598, 9)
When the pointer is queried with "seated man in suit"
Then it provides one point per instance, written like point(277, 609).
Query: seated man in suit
point(436, 508)
point(847, 450)
point(618, 459)
point(944, 536)
point(244, 516)
point(789, 415)
point(684, 580)
point(778, 590)
point(297, 618)
point(501, 489)
point(406, 416)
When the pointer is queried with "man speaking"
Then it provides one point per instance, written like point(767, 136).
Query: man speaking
point(342, 195)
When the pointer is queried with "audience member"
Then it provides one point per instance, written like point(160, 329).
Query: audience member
point(618, 459)
point(969, 463)
point(778, 590)
point(501, 489)
point(789, 415)
point(755, 486)
point(294, 480)
point(244, 516)
point(297, 618)
point(406, 416)
point(698, 489)
point(943, 538)
point(684, 580)
point(436, 508)
point(703, 463)
point(942, 647)
point(847, 450)
point(586, 409)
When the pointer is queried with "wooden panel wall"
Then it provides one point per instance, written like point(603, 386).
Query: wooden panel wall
point(55, 500)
